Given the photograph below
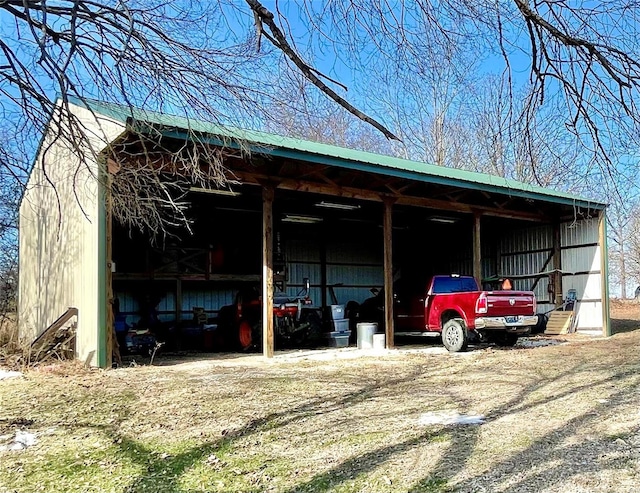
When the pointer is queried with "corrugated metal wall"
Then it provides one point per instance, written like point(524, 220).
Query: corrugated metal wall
point(353, 262)
point(59, 265)
point(582, 267)
point(526, 252)
point(194, 294)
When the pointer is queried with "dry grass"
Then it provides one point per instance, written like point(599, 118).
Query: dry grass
point(13, 351)
point(559, 418)
point(8, 329)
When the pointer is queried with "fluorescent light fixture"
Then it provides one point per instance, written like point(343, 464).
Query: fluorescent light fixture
point(336, 205)
point(445, 220)
point(293, 218)
point(215, 191)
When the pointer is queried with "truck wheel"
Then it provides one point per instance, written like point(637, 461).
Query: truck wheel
point(454, 335)
point(507, 340)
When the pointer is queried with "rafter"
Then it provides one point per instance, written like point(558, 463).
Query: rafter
point(364, 194)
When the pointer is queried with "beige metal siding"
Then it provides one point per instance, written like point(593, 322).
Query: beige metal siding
point(59, 238)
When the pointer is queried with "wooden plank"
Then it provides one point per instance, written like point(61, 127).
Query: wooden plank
point(557, 265)
point(560, 322)
point(149, 276)
point(49, 341)
point(363, 194)
point(388, 273)
point(546, 263)
point(268, 343)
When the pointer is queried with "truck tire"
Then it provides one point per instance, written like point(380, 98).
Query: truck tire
point(506, 340)
point(454, 335)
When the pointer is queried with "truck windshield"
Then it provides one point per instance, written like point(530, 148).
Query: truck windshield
point(454, 285)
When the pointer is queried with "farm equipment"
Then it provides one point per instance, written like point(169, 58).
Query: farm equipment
point(296, 322)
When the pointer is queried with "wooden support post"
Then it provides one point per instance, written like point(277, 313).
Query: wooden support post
point(323, 266)
point(113, 348)
point(268, 342)
point(557, 265)
point(388, 273)
point(477, 249)
point(604, 273)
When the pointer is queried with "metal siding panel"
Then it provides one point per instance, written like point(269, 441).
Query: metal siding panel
point(59, 254)
point(523, 264)
point(128, 304)
point(587, 286)
point(301, 249)
point(366, 276)
point(517, 262)
point(587, 258)
point(589, 315)
point(210, 299)
point(357, 251)
point(297, 272)
point(581, 259)
point(546, 307)
point(522, 240)
point(521, 255)
point(350, 261)
point(357, 263)
point(462, 267)
point(579, 232)
point(541, 290)
point(168, 302)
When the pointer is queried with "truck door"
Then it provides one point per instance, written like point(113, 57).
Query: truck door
point(409, 307)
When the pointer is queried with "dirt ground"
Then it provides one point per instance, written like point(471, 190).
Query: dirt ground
point(553, 414)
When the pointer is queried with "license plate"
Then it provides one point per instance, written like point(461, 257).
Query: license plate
point(512, 320)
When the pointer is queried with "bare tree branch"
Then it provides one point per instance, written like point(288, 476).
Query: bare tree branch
point(281, 42)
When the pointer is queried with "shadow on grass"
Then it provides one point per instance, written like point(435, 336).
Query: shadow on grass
point(165, 473)
point(350, 469)
point(550, 459)
point(621, 325)
point(540, 464)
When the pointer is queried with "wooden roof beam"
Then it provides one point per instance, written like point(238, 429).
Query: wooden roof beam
point(363, 194)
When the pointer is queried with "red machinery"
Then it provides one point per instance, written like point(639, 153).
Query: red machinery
point(296, 322)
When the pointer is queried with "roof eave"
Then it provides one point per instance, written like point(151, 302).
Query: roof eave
point(295, 154)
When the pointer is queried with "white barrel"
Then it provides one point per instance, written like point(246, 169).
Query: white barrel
point(366, 331)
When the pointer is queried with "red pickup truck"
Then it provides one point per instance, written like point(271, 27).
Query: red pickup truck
point(454, 307)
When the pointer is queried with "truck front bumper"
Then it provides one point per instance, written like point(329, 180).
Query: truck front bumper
point(520, 323)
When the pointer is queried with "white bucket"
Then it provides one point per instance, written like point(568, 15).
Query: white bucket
point(378, 341)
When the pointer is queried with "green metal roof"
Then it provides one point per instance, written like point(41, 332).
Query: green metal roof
point(276, 145)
